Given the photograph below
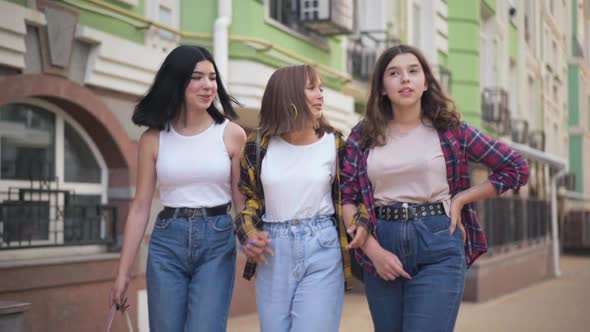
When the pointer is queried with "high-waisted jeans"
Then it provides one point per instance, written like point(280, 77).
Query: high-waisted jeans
point(301, 289)
point(436, 261)
point(190, 274)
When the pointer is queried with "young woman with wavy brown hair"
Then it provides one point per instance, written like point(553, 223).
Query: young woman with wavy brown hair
point(405, 179)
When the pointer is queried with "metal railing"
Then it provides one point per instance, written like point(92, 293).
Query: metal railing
point(360, 62)
point(42, 216)
point(514, 221)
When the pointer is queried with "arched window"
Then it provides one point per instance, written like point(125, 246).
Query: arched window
point(53, 180)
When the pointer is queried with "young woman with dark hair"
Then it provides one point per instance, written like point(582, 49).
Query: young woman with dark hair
point(191, 151)
point(405, 177)
point(292, 225)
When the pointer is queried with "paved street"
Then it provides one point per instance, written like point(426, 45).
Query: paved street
point(554, 305)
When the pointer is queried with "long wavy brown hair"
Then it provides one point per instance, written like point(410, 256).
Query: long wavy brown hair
point(437, 107)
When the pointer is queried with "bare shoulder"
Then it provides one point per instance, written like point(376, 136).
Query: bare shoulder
point(234, 133)
point(234, 137)
point(149, 141)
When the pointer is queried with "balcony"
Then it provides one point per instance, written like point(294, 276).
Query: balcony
point(363, 50)
point(520, 131)
point(495, 113)
point(327, 17)
point(360, 62)
point(537, 139)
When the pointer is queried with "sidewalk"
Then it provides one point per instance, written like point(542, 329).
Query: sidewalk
point(561, 304)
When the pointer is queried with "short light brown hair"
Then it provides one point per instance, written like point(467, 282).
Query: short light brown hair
point(284, 105)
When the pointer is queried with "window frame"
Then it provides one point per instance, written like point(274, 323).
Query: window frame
point(80, 188)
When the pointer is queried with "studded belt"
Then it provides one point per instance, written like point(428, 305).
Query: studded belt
point(409, 211)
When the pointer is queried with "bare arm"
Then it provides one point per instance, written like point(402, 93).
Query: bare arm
point(139, 212)
point(234, 138)
point(348, 211)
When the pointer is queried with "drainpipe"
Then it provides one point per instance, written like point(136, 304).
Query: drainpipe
point(221, 38)
point(554, 225)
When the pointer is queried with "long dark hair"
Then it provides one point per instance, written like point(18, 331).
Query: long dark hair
point(437, 107)
point(164, 100)
point(284, 106)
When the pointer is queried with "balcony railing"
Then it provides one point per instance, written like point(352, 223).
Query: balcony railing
point(520, 131)
point(494, 110)
point(41, 216)
point(514, 221)
point(363, 50)
point(537, 139)
point(361, 61)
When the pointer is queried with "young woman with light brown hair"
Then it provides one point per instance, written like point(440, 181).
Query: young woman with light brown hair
point(292, 226)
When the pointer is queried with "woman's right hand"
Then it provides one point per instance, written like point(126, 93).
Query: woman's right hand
point(388, 265)
point(256, 246)
point(118, 294)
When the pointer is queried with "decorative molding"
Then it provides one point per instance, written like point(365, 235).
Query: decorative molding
point(61, 27)
point(13, 20)
point(118, 64)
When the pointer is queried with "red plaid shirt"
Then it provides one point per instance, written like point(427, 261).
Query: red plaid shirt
point(460, 146)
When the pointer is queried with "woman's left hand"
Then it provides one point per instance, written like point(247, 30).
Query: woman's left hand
point(359, 236)
point(456, 207)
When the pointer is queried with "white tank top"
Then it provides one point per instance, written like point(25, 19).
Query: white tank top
point(297, 179)
point(194, 171)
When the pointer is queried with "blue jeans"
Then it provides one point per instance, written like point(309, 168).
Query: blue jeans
point(436, 261)
point(190, 274)
point(302, 286)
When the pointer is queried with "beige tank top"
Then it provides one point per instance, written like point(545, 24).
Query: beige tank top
point(409, 168)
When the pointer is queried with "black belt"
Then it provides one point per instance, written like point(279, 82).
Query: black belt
point(184, 212)
point(409, 211)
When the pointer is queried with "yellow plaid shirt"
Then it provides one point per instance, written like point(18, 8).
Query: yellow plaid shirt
point(250, 219)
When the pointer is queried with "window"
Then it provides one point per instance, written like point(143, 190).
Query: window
point(284, 14)
point(532, 104)
point(27, 143)
point(53, 180)
point(417, 21)
point(166, 13)
point(80, 165)
point(165, 18)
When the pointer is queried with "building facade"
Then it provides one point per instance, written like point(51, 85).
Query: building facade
point(578, 46)
point(71, 72)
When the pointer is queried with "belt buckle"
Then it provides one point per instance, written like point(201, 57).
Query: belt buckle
point(406, 212)
point(193, 212)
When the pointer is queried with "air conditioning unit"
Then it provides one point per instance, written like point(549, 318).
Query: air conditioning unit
point(327, 17)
